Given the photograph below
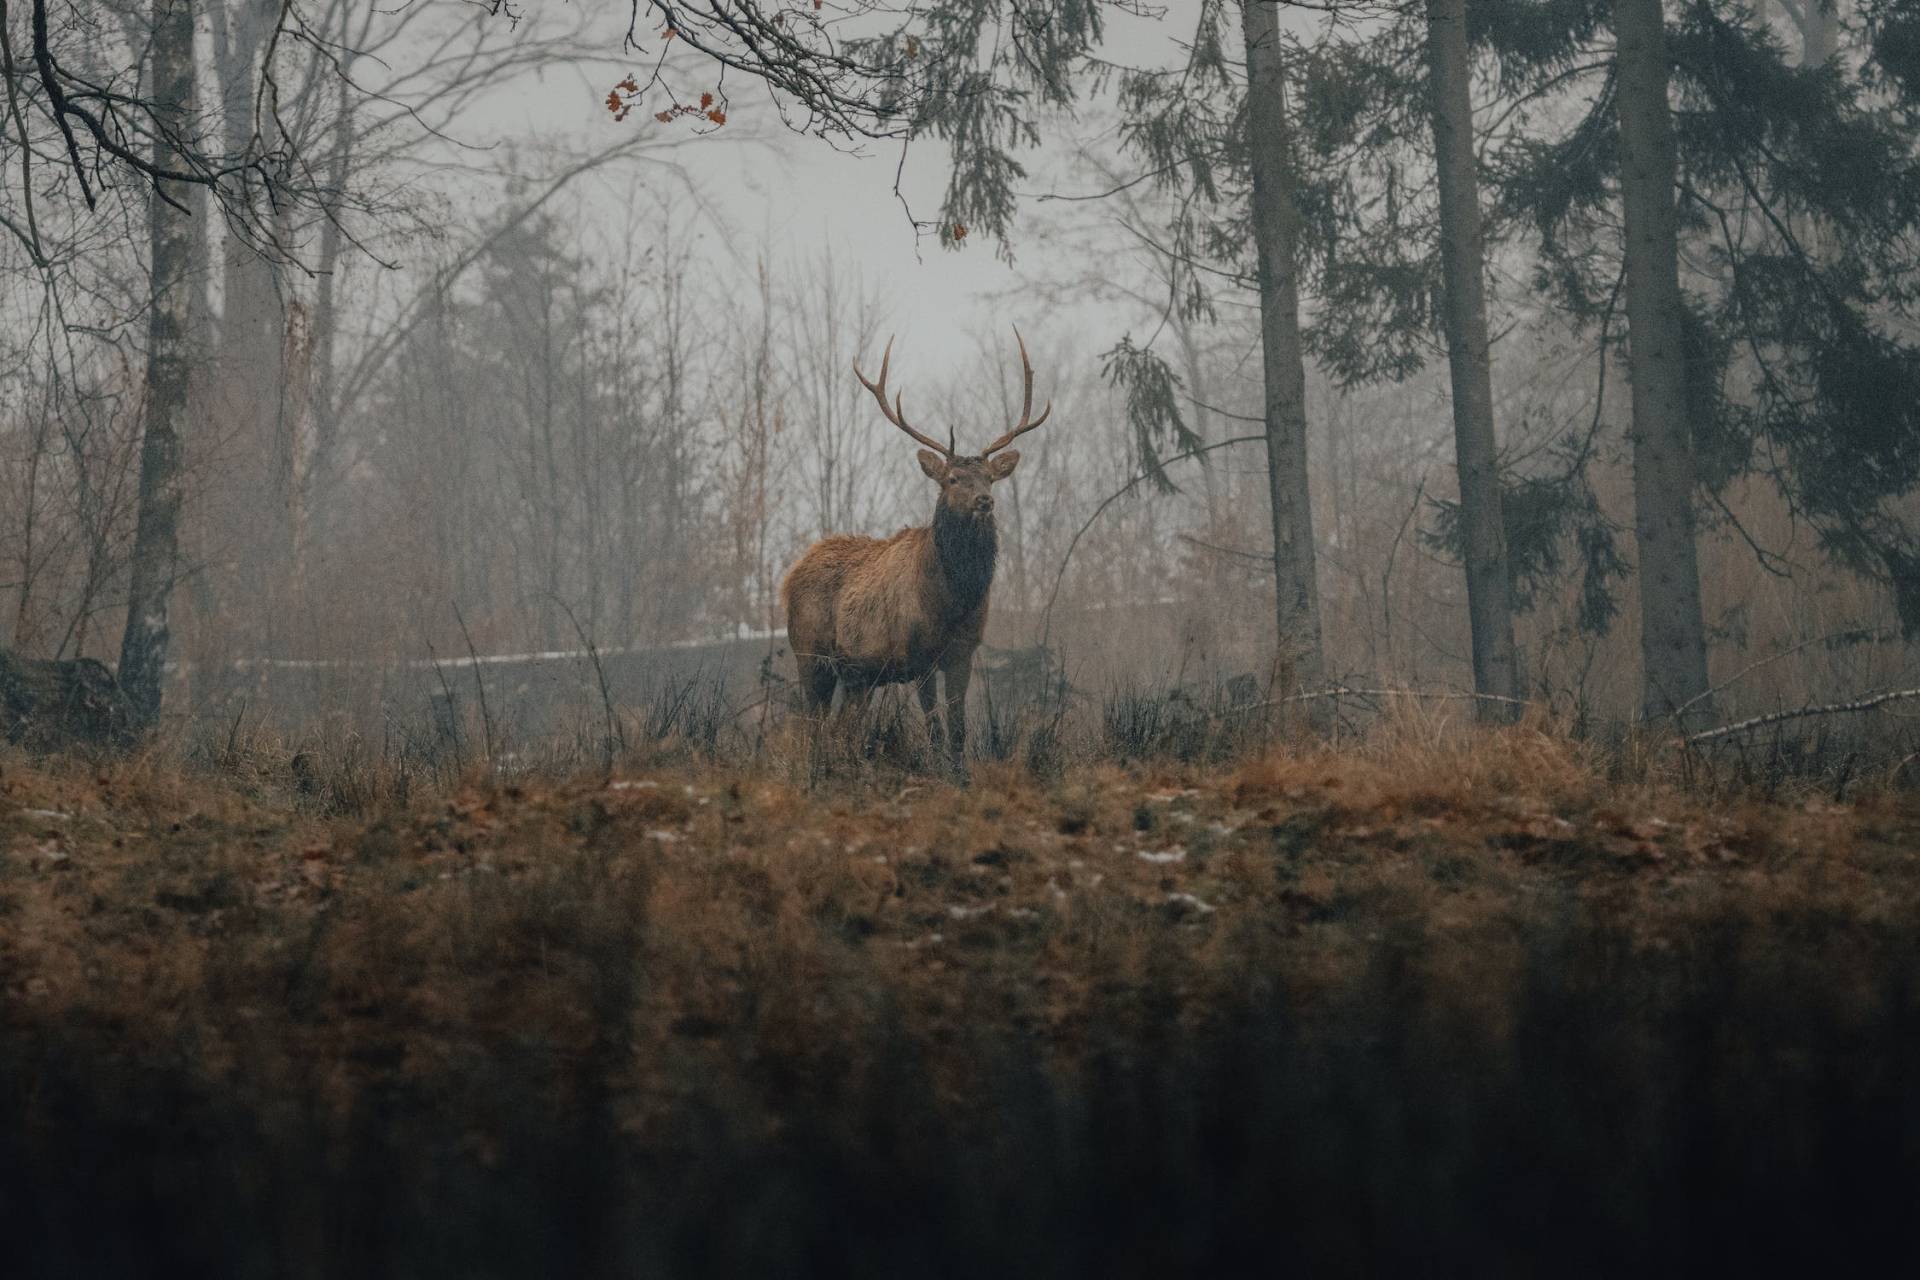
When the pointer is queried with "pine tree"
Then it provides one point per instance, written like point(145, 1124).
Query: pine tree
point(1788, 353)
point(1673, 644)
point(1783, 350)
point(1276, 237)
point(1469, 356)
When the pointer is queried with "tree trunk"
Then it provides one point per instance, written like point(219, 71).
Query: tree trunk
point(1463, 261)
point(143, 650)
point(1819, 25)
point(1276, 236)
point(255, 529)
point(1672, 636)
point(326, 421)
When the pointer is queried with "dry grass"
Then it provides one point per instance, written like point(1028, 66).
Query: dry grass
point(690, 939)
point(147, 899)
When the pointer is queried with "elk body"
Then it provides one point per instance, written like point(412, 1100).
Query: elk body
point(863, 612)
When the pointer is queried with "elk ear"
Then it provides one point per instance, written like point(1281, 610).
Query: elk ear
point(1001, 465)
point(933, 464)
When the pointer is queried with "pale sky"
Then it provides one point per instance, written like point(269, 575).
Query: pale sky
point(796, 194)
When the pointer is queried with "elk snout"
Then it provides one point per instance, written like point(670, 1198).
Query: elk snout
point(983, 505)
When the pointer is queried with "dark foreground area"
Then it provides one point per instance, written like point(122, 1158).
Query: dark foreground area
point(1708, 1109)
point(1275, 1021)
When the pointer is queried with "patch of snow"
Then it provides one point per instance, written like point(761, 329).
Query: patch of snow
point(663, 835)
point(1163, 856)
point(967, 913)
point(642, 784)
point(50, 814)
point(1188, 900)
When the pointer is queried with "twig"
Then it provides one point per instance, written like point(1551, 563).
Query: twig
point(615, 732)
point(1855, 634)
point(453, 723)
point(233, 734)
point(1046, 629)
point(486, 720)
point(1257, 557)
point(1829, 709)
point(1393, 553)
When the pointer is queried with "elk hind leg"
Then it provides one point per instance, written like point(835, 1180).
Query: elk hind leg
point(817, 680)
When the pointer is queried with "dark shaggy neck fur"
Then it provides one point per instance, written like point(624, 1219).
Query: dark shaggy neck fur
point(966, 548)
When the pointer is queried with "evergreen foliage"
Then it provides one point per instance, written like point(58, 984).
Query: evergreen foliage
point(1799, 197)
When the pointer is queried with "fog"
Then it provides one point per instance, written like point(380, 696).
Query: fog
point(530, 379)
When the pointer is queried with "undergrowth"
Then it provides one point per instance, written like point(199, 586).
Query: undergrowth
point(1435, 997)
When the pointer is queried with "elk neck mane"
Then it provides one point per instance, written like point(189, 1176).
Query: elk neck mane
point(964, 552)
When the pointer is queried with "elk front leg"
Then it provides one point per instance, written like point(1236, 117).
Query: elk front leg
point(955, 674)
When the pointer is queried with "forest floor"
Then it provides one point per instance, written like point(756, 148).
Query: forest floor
point(698, 1019)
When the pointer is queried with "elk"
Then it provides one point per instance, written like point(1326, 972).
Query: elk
point(864, 612)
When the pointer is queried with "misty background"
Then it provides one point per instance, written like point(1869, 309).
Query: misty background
point(533, 372)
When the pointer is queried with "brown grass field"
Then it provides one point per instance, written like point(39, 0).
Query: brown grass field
point(1435, 1000)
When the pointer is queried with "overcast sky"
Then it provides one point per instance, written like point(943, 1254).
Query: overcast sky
point(797, 194)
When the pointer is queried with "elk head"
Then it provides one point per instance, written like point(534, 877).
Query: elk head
point(966, 483)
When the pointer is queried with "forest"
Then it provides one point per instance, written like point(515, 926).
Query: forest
point(1437, 784)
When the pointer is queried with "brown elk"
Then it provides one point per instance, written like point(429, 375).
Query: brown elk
point(863, 612)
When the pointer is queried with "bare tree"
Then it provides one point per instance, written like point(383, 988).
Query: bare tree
point(143, 650)
point(832, 315)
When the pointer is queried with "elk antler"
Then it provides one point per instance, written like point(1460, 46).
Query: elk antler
point(1023, 426)
point(893, 413)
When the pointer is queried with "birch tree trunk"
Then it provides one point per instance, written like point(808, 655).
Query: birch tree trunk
point(1672, 636)
point(1463, 263)
point(1276, 234)
point(143, 649)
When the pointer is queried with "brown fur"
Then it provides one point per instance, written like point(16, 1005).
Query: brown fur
point(863, 612)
